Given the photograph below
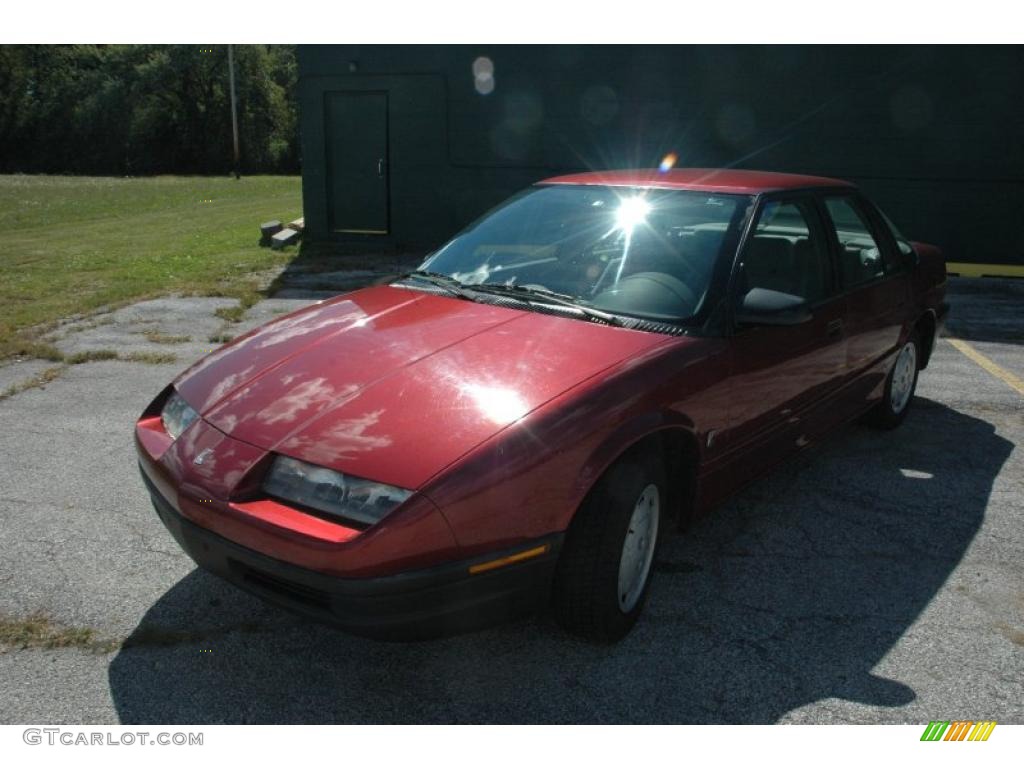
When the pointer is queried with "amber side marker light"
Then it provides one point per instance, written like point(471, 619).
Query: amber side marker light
point(518, 557)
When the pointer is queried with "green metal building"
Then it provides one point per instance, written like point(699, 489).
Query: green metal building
point(404, 145)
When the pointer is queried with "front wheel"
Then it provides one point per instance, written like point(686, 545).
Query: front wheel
point(899, 386)
point(605, 568)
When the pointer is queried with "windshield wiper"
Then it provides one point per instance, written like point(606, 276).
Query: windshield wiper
point(526, 293)
point(522, 292)
point(446, 282)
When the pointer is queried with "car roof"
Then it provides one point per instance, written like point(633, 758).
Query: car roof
point(700, 179)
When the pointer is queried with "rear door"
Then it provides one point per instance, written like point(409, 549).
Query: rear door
point(780, 372)
point(874, 279)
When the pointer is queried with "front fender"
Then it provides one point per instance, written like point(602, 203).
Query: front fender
point(623, 439)
point(529, 480)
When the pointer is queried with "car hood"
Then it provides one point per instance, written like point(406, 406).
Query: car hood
point(394, 384)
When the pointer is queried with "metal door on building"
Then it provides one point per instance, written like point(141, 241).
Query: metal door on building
point(356, 132)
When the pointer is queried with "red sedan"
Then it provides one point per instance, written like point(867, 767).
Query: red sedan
point(521, 420)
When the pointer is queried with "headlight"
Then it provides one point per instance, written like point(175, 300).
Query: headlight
point(177, 415)
point(352, 498)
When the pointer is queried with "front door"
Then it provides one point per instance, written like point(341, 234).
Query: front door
point(357, 161)
point(782, 375)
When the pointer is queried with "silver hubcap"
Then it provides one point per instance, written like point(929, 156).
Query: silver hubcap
point(638, 548)
point(903, 377)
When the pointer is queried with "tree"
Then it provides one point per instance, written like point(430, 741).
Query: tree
point(145, 109)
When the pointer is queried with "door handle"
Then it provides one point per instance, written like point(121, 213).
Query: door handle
point(834, 328)
point(380, 167)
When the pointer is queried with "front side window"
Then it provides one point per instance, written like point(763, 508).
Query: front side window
point(648, 253)
point(787, 253)
point(860, 258)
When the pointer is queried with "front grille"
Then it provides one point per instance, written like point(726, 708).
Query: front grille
point(290, 591)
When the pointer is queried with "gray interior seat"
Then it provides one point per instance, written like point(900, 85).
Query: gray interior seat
point(769, 263)
point(811, 270)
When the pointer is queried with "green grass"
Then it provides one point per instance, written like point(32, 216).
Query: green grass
point(41, 632)
point(247, 297)
point(152, 358)
point(156, 337)
point(98, 355)
point(79, 358)
point(39, 380)
point(74, 244)
point(91, 356)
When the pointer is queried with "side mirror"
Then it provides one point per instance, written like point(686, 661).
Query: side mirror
point(762, 306)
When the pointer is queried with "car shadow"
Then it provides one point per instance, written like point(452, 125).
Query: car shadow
point(791, 593)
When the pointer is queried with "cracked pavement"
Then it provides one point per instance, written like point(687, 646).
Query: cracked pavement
point(876, 578)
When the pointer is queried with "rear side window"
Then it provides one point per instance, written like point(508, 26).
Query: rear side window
point(901, 242)
point(787, 252)
point(861, 259)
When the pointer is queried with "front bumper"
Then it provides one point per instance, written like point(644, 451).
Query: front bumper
point(416, 604)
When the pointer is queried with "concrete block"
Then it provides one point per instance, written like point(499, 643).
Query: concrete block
point(283, 238)
point(299, 224)
point(270, 228)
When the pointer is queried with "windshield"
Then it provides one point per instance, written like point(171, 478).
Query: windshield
point(648, 253)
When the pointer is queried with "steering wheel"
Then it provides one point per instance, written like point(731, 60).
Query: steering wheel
point(692, 275)
point(654, 294)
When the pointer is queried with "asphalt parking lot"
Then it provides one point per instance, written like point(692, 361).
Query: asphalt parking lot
point(878, 578)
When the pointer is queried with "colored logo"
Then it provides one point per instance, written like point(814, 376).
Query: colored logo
point(958, 730)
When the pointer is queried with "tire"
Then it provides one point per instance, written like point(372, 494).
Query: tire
point(900, 385)
point(604, 571)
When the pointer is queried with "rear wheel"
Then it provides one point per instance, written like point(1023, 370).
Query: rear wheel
point(899, 386)
point(605, 568)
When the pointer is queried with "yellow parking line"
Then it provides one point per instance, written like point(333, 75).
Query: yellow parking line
point(985, 270)
point(1000, 373)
